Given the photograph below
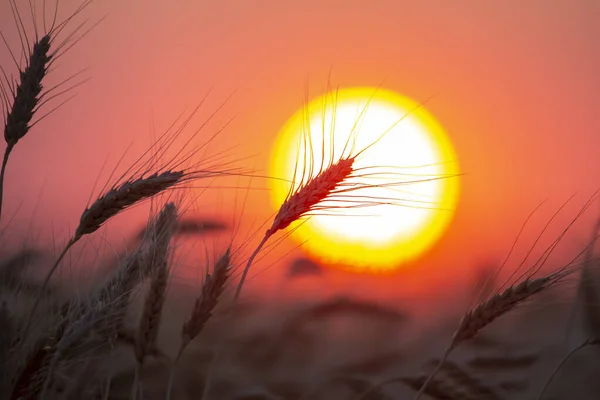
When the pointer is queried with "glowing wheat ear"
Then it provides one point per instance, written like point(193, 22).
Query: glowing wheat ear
point(304, 200)
point(313, 193)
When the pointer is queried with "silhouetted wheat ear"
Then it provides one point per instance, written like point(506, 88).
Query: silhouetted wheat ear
point(124, 196)
point(107, 206)
point(27, 93)
point(485, 313)
point(117, 291)
point(162, 232)
point(312, 193)
point(152, 313)
point(204, 305)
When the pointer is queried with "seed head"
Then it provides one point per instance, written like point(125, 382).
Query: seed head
point(315, 191)
point(209, 296)
point(27, 93)
point(124, 196)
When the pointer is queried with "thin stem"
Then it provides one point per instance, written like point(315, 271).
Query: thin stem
point(207, 380)
point(564, 361)
point(7, 152)
point(268, 234)
point(172, 372)
point(435, 371)
point(47, 280)
point(135, 389)
point(106, 392)
point(373, 388)
point(58, 260)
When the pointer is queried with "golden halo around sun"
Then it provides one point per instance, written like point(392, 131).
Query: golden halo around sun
point(408, 173)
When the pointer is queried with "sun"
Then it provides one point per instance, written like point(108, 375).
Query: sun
point(409, 168)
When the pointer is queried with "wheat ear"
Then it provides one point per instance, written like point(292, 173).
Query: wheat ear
point(147, 332)
point(304, 200)
point(110, 204)
point(204, 305)
point(488, 311)
point(27, 93)
point(212, 288)
point(124, 196)
point(117, 200)
point(498, 305)
point(25, 100)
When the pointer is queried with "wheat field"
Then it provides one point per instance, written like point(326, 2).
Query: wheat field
point(134, 331)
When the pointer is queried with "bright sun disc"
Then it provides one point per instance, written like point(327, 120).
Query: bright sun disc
point(410, 169)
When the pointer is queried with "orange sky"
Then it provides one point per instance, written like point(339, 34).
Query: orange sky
point(516, 85)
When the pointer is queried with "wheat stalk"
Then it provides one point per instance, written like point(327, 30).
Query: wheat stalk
point(302, 201)
point(27, 93)
point(25, 100)
point(117, 291)
point(204, 305)
point(505, 301)
point(27, 96)
point(212, 288)
point(327, 182)
point(110, 204)
point(498, 305)
point(111, 300)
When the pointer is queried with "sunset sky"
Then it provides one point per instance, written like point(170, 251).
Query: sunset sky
point(516, 85)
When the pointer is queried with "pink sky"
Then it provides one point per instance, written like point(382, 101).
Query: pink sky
point(516, 85)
